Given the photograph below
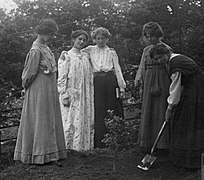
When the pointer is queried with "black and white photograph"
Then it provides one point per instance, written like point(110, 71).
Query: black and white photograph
point(101, 90)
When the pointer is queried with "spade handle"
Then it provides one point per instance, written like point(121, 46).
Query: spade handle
point(159, 135)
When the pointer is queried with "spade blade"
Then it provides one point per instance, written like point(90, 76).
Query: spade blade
point(146, 162)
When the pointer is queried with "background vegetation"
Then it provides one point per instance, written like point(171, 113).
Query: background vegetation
point(182, 21)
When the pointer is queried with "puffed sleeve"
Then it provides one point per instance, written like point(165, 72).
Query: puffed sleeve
point(139, 78)
point(86, 52)
point(30, 68)
point(63, 69)
point(175, 90)
point(118, 72)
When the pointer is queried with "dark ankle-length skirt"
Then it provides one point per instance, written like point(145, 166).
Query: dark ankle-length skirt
point(105, 85)
point(187, 126)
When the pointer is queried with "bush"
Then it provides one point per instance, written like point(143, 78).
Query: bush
point(122, 134)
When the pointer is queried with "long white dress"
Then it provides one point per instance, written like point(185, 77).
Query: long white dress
point(75, 84)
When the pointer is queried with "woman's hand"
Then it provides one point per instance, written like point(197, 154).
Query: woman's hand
point(122, 93)
point(23, 92)
point(66, 102)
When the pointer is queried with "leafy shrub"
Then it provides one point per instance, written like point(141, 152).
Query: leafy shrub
point(122, 134)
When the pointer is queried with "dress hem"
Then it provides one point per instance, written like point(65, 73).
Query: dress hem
point(40, 159)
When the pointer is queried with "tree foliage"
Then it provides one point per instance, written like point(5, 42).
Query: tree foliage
point(181, 20)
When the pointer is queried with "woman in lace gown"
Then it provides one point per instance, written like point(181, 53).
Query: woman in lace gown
point(75, 85)
point(40, 136)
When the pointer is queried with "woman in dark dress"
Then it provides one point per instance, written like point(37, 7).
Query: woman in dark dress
point(185, 107)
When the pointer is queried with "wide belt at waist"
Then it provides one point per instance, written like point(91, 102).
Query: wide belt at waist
point(102, 73)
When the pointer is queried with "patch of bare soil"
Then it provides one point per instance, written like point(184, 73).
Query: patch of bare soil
point(98, 166)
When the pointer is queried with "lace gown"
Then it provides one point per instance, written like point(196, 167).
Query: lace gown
point(75, 84)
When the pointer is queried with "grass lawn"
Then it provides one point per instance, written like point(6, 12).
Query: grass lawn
point(98, 165)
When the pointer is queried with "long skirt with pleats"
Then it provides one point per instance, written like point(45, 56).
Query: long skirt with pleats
point(40, 136)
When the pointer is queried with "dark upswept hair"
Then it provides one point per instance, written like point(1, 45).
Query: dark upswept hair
point(153, 29)
point(101, 30)
point(78, 33)
point(46, 26)
point(159, 49)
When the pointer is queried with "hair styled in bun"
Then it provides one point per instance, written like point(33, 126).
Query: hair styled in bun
point(78, 33)
point(101, 30)
point(46, 26)
point(153, 29)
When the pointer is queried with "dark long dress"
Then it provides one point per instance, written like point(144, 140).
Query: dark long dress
point(187, 124)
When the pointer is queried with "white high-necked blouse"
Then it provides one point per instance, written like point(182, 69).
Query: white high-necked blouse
point(104, 60)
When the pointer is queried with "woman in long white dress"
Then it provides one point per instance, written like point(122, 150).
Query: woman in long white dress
point(75, 85)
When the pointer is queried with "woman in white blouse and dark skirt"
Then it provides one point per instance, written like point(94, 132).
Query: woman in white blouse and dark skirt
point(108, 82)
point(186, 107)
